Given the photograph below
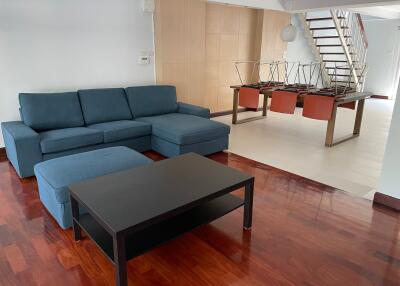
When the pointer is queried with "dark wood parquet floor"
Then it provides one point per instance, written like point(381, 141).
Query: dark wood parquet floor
point(304, 233)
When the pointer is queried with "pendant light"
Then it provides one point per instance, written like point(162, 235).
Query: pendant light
point(289, 33)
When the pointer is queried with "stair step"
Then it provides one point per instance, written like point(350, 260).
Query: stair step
point(321, 19)
point(347, 75)
point(335, 53)
point(345, 81)
point(326, 28)
point(335, 45)
point(329, 37)
point(341, 68)
point(335, 61)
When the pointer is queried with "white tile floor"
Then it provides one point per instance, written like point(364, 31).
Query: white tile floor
point(296, 144)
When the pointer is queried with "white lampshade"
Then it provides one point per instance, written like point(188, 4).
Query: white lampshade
point(289, 33)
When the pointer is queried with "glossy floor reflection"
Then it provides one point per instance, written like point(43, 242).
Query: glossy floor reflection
point(304, 233)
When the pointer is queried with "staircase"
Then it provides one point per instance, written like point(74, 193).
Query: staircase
point(338, 40)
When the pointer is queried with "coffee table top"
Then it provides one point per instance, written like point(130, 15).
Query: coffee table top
point(136, 198)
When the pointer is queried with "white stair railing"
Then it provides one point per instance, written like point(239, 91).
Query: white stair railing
point(351, 26)
point(349, 35)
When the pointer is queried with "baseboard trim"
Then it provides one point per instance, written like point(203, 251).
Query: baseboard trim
point(3, 154)
point(228, 112)
point(380, 96)
point(387, 201)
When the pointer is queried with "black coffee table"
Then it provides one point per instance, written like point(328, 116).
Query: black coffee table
point(133, 211)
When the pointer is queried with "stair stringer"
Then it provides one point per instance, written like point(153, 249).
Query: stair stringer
point(345, 47)
point(311, 43)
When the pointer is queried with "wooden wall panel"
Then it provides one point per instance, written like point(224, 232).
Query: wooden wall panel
point(272, 47)
point(197, 44)
point(230, 37)
point(180, 47)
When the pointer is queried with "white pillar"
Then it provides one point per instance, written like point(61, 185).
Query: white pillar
point(389, 183)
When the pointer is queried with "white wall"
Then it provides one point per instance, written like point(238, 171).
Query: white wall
point(299, 50)
point(389, 182)
point(382, 58)
point(54, 45)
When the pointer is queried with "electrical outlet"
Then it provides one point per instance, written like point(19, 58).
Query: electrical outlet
point(144, 60)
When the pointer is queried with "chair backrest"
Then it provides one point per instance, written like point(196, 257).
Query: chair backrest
point(318, 107)
point(284, 101)
point(249, 97)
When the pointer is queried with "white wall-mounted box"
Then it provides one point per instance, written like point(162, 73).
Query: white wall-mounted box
point(149, 6)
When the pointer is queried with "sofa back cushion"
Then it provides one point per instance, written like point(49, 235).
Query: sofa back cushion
point(152, 100)
point(44, 111)
point(104, 105)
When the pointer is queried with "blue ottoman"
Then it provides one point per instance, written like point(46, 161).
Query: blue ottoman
point(54, 176)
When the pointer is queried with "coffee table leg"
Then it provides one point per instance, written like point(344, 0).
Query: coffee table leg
point(75, 215)
point(248, 206)
point(121, 276)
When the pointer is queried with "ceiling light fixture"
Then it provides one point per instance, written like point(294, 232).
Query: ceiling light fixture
point(289, 33)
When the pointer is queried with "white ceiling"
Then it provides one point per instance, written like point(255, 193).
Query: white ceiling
point(385, 12)
point(304, 5)
point(393, 7)
point(261, 4)
point(376, 8)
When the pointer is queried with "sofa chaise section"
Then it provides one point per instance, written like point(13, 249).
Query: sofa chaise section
point(176, 133)
point(177, 128)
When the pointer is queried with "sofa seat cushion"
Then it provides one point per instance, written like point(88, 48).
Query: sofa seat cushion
point(104, 105)
point(185, 129)
point(44, 111)
point(69, 138)
point(123, 129)
point(61, 172)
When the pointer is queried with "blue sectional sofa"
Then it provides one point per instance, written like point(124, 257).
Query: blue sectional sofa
point(141, 118)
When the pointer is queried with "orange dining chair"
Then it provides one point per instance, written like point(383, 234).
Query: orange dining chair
point(283, 101)
point(249, 97)
point(318, 107)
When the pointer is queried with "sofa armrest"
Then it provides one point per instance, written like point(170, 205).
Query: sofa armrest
point(22, 147)
point(193, 110)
